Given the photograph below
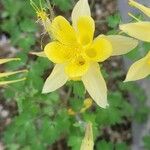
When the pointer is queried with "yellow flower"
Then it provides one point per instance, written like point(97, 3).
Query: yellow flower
point(88, 142)
point(6, 74)
point(141, 29)
point(76, 53)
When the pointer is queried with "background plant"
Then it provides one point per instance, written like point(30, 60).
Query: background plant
point(42, 121)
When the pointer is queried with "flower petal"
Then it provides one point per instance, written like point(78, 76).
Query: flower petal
point(121, 44)
point(100, 50)
point(6, 74)
point(139, 70)
point(95, 85)
point(139, 30)
point(63, 31)
point(77, 68)
point(144, 9)
point(57, 52)
point(40, 54)
point(85, 29)
point(88, 142)
point(5, 60)
point(56, 79)
point(12, 81)
point(82, 8)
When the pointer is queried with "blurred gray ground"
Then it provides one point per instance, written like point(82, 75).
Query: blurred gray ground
point(138, 130)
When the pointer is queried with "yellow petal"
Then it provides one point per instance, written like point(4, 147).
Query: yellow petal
point(12, 81)
point(85, 29)
point(5, 74)
point(139, 30)
point(121, 44)
point(100, 50)
point(56, 79)
point(40, 54)
point(57, 52)
point(77, 68)
point(82, 8)
point(5, 60)
point(139, 70)
point(87, 142)
point(144, 9)
point(95, 85)
point(63, 31)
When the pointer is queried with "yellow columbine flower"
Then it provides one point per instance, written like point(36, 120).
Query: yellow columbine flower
point(6, 74)
point(76, 54)
point(88, 142)
point(141, 29)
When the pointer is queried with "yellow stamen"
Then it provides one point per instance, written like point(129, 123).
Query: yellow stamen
point(42, 15)
point(34, 5)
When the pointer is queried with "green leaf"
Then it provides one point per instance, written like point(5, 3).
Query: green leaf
point(75, 142)
point(28, 25)
point(64, 5)
point(114, 20)
point(78, 89)
point(146, 141)
point(121, 146)
point(103, 145)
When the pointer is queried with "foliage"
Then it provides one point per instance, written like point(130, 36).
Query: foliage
point(42, 120)
point(64, 5)
point(146, 141)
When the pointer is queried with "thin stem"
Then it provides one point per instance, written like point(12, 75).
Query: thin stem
point(131, 15)
point(40, 2)
point(50, 9)
point(34, 5)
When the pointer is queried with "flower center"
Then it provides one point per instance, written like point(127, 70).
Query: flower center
point(80, 61)
point(78, 52)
